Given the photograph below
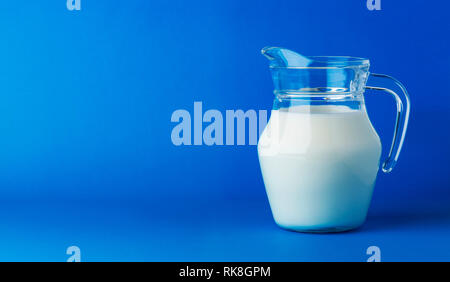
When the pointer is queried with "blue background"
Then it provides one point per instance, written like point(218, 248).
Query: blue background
point(86, 157)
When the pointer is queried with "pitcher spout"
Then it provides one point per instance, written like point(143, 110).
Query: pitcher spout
point(281, 57)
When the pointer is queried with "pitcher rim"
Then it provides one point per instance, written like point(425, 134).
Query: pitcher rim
point(331, 62)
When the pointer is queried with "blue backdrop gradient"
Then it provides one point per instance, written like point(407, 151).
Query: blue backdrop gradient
point(86, 157)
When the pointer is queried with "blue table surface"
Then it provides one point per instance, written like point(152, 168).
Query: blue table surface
point(182, 229)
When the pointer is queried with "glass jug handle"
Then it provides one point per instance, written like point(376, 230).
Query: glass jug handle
point(401, 122)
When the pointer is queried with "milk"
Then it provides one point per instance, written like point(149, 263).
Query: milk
point(319, 165)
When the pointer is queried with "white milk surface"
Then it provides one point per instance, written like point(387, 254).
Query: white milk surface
point(319, 165)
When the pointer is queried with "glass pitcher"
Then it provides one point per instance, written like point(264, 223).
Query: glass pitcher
point(319, 154)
